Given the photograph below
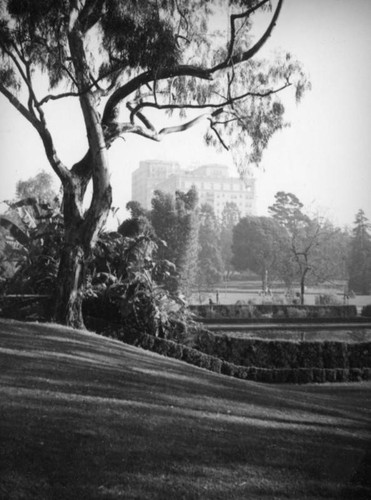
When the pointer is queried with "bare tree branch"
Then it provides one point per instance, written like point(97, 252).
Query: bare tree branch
point(215, 130)
point(142, 118)
point(233, 19)
point(147, 77)
point(187, 70)
point(227, 101)
point(114, 130)
point(248, 54)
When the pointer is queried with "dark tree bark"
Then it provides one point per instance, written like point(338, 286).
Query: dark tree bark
point(68, 300)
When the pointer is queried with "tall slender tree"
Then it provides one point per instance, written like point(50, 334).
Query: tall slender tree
point(175, 221)
point(360, 255)
point(230, 217)
point(210, 262)
point(123, 59)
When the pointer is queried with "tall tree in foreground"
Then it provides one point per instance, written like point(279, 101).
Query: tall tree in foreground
point(125, 61)
point(360, 255)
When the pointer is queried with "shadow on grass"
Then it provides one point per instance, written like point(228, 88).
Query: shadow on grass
point(87, 417)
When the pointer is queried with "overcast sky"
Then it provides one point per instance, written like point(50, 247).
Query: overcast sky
point(324, 157)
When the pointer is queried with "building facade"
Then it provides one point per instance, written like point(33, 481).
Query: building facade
point(214, 185)
point(144, 180)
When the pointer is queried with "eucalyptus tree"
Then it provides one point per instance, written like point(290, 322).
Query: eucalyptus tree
point(125, 61)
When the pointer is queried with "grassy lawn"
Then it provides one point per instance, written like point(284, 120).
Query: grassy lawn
point(85, 417)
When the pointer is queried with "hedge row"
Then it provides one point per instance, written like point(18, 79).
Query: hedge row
point(281, 354)
point(296, 375)
point(179, 351)
point(285, 375)
point(280, 311)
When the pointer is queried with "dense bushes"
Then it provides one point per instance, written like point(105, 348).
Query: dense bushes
point(297, 375)
point(278, 354)
point(366, 311)
point(275, 311)
point(178, 351)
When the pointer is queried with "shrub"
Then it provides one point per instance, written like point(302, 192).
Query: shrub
point(366, 374)
point(360, 355)
point(295, 312)
point(327, 299)
point(310, 355)
point(276, 310)
point(304, 375)
point(335, 355)
point(215, 364)
point(196, 358)
point(266, 375)
point(147, 342)
point(366, 311)
point(175, 350)
point(282, 375)
point(280, 314)
point(319, 375)
point(330, 375)
point(228, 368)
point(241, 372)
point(342, 375)
point(161, 346)
point(251, 373)
point(205, 342)
point(355, 374)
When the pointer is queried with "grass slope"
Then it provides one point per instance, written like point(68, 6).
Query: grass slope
point(85, 417)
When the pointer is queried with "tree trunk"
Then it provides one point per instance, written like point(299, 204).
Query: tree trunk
point(68, 303)
point(302, 286)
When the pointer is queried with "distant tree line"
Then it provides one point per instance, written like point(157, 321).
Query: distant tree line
point(186, 246)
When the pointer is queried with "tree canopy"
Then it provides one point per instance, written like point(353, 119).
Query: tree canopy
point(210, 263)
point(315, 249)
point(257, 245)
point(126, 61)
point(360, 255)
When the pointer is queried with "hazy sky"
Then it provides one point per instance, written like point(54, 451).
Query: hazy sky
point(324, 157)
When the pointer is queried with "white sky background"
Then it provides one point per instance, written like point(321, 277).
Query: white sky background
point(324, 157)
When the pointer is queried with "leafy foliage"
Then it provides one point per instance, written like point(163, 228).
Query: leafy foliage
point(316, 249)
point(230, 217)
point(175, 222)
point(257, 245)
point(35, 230)
point(39, 187)
point(121, 59)
point(360, 255)
point(144, 304)
point(210, 263)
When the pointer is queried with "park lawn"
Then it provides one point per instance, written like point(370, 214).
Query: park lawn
point(86, 417)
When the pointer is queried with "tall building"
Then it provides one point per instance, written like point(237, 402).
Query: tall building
point(145, 179)
point(213, 184)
